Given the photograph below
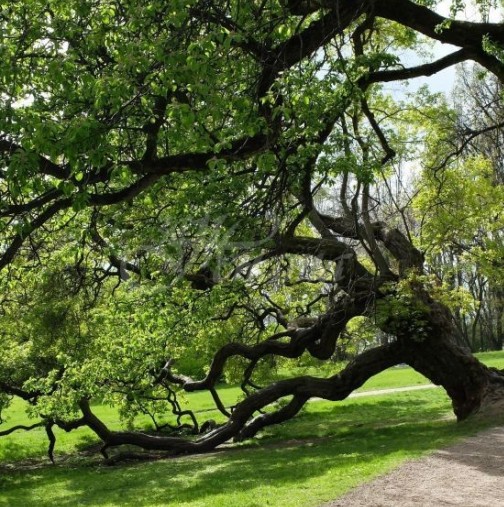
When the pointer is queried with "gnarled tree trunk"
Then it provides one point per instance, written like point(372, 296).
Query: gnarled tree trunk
point(472, 386)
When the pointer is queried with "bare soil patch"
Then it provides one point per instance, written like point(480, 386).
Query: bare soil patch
point(468, 474)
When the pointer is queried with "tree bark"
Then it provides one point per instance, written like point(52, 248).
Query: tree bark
point(472, 386)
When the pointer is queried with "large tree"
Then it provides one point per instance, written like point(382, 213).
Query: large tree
point(229, 156)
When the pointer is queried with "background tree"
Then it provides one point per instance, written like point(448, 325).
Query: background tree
point(460, 205)
point(176, 160)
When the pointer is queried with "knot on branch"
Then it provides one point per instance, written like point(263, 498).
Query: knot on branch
point(407, 255)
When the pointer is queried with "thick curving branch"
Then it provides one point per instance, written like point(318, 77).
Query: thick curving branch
point(45, 166)
point(410, 14)
point(37, 203)
point(308, 41)
point(21, 427)
point(17, 391)
point(398, 245)
point(463, 34)
point(241, 423)
point(319, 340)
point(427, 69)
point(240, 149)
point(18, 240)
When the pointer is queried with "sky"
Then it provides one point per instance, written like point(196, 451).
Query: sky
point(444, 81)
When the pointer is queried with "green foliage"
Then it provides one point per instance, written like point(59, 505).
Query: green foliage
point(149, 145)
point(484, 6)
point(461, 206)
point(360, 334)
point(402, 311)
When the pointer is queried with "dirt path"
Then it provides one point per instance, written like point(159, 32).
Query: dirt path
point(468, 474)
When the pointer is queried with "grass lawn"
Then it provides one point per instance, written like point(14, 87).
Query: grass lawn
point(328, 449)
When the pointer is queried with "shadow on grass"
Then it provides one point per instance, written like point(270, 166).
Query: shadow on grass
point(29, 445)
point(15, 451)
point(341, 443)
point(34, 445)
point(175, 481)
point(336, 419)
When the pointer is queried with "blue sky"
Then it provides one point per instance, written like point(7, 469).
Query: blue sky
point(444, 81)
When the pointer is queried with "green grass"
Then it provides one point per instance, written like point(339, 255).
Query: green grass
point(398, 376)
point(324, 452)
point(318, 456)
point(493, 359)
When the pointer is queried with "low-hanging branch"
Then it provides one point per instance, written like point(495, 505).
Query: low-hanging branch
point(240, 425)
point(21, 427)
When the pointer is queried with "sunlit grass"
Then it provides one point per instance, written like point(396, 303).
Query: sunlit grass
point(325, 451)
point(316, 457)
